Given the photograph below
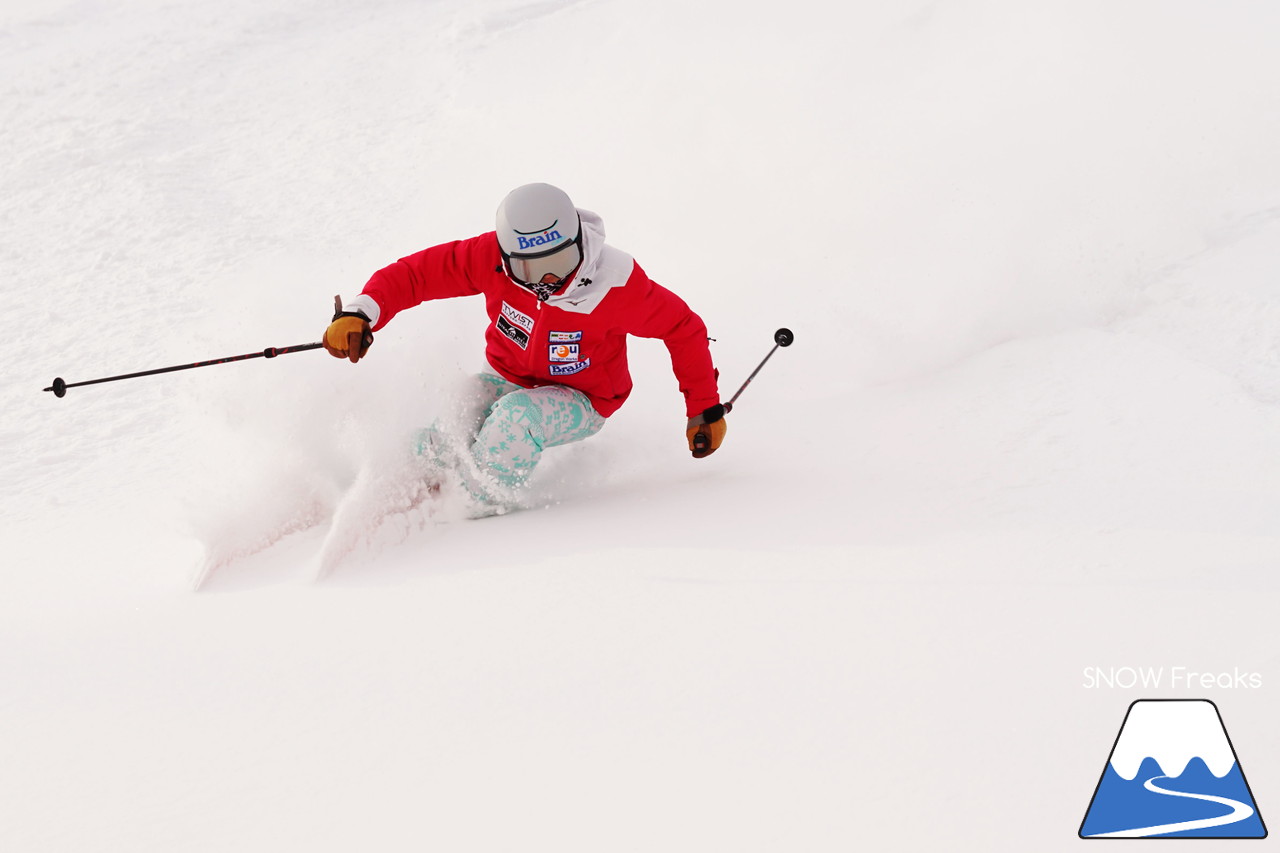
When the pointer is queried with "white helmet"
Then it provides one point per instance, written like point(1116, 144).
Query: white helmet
point(540, 237)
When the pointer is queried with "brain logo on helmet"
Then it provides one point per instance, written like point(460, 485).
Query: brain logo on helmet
point(548, 235)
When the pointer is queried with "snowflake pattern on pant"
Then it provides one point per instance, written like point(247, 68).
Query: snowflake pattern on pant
point(505, 429)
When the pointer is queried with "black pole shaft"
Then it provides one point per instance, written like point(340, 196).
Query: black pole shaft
point(781, 338)
point(59, 387)
point(733, 399)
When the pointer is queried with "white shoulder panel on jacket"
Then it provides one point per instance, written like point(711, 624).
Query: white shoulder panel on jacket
point(613, 269)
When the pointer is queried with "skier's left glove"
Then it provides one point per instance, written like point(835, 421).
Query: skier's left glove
point(348, 336)
point(706, 431)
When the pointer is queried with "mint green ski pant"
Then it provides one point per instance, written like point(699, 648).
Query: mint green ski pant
point(508, 426)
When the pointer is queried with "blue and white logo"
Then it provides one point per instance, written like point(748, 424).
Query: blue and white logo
point(570, 369)
point(1173, 773)
point(533, 239)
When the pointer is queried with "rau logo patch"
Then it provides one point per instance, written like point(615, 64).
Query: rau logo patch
point(1173, 773)
point(563, 352)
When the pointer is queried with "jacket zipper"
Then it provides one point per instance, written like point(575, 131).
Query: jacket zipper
point(532, 366)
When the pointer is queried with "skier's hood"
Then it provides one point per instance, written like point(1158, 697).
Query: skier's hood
point(592, 238)
point(603, 268)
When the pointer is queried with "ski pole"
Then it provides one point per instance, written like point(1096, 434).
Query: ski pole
point(59, 387)
point(781, 338)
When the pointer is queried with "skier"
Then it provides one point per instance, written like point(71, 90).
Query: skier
point(561, 303)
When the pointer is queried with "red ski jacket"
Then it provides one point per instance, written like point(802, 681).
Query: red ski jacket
point(576, 338)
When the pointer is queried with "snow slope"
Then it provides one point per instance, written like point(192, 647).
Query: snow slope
point(1029, 253)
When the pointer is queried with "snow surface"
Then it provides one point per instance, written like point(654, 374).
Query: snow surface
point(1029, 423)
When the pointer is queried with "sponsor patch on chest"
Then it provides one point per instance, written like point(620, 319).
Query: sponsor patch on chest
point(516, 334)
point(566, 337)
point(570, 368)
point(517, 318)
point(563, 352)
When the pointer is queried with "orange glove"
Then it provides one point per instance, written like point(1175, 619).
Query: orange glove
point(706, 431)
point(348, 336)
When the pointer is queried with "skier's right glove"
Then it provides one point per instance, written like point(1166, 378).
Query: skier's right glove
point(348, 336)
point(706, 431)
